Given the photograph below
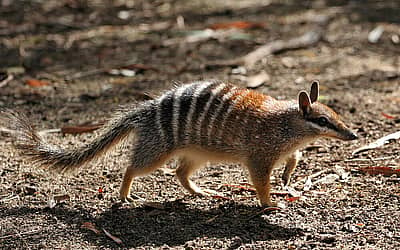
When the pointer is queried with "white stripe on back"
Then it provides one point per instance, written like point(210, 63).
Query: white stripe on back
point(158, 115)
point(225, 98)
point(176, 108)
point(228, 112)
point(196, 95)
point(214, 94)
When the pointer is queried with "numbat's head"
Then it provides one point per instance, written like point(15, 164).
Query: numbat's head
point(321, 119)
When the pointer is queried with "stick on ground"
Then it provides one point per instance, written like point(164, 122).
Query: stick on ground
point(308, 39)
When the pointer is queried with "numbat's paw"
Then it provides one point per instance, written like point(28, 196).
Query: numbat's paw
point(126, 199)
point(270, 204)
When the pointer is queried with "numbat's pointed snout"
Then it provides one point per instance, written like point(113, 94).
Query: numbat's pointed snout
point(352, 136)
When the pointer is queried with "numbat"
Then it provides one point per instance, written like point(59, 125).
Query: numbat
point(207, 121)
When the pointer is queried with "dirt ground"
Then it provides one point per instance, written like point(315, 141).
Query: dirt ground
point(70, 47)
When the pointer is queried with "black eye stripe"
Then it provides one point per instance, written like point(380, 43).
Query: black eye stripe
point(323, 122)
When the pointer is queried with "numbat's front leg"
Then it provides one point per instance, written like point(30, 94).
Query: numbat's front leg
point(290, 166)
point(260, 174)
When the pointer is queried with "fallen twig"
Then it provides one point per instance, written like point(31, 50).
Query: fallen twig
point(273, 47)
point(19, 234)
point(240, 187)
point(6, 80)
point(9, 198)
point(378, 143)
point(310, 176)
point(48, 131)
point(90, 226)
point(97, 71)
point(308, 39)
point(258, 80)
point(220, 197)
point(386, 171)
point(373, 159)
point(264, 210)
point(200, 36)
point(81, 128)
point(86, 74)
point(212, 219)
point(114, 238)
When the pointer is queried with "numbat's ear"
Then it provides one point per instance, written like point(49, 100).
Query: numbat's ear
point(304, 103)
point(314, 91)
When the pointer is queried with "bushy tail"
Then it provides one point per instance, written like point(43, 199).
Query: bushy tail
point(34, 147)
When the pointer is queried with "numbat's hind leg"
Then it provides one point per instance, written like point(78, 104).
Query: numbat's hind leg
point(186, 168)
point(139, 167)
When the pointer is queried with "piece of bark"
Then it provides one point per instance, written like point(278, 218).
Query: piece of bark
point(257, 80)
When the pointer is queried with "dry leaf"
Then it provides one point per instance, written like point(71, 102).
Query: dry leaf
point(122, 72)
point(62, 197)
point(341, 172)
point(280, 193)
point(387, 171)
point(292, 199)
point(155, 205)
point(79, 129)
point(36, 83)
point(5, 78)
point(90, 226)
point(375, 34)
point(115, 239)
point(221, 197)
point(212, 219)
point(395, 38)
point(330, 178)
point(308, 184)
point(289, 62)
point(388, 116)
point(270, 209)
point(293, 192)
point(237, 25)
point(378, 143)
point(139, 67)
point(240, 187)
point(257, 80)
point(51, 202)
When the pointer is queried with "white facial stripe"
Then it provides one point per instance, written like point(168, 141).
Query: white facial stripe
point(314, 125)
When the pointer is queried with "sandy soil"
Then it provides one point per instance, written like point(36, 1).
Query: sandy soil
point(71, 46)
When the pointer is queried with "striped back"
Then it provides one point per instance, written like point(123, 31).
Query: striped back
point(199, 113)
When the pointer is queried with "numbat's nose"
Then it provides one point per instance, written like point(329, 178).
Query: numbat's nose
point(352, 136)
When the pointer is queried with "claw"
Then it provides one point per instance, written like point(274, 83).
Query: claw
point(127, 199)
point(130, 199)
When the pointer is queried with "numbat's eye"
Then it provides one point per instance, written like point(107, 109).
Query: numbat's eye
point(322, 121)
